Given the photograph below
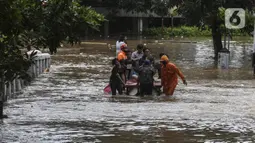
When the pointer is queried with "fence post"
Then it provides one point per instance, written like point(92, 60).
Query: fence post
point(37, 67)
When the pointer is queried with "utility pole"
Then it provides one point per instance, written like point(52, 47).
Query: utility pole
point(2, 96)
point(253, 57)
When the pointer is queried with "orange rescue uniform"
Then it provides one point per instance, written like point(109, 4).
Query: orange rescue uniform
point(169, 76)
point(122, 56)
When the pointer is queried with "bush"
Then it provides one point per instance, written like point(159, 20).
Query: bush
point(186, 31)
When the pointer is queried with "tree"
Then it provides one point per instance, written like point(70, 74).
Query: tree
point(172, 12)
point(12, 63)
point(40, 24)
point(196, 12)
point(208, 12)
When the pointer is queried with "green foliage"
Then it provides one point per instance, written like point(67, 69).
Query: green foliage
point(12, 62)
point(204, 12)
point(159, 7)
point(173, 11)
point(186, 31)
point(38, 24)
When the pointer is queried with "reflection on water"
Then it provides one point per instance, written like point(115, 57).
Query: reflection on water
point(68, 105)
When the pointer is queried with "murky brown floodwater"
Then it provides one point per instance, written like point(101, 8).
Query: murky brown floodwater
point(68, 105)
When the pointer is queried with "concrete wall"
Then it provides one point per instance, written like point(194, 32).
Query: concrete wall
point(41, 62)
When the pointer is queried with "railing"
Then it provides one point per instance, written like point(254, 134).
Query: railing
point(40, 64)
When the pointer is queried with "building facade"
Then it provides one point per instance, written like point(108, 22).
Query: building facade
point(131, 24)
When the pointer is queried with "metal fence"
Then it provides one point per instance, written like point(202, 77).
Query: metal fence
point(40, 64)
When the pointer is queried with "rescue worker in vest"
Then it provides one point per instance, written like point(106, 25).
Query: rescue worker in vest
point(169, 76)
point(146, 73)
point(158, 64)
point(122, 56)
point(119, 43)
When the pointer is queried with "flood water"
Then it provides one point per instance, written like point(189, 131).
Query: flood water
point(68, 105)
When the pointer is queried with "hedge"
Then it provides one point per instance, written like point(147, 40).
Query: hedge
point(186, 31)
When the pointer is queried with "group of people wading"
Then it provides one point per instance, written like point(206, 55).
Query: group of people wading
point(141, 66)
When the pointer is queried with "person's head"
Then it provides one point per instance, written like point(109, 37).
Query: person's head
point(115, 62)
point(124, 48)
point(129, 54)
point(135, 76)
point(146, 51)
point(140, 48)
point(121, 38)
point(164, 60)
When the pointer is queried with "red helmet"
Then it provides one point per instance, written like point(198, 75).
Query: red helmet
point(123, 46)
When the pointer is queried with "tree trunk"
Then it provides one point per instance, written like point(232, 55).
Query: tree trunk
point(217, 35)
point(1, 94)
point(162, 24)
point(172, 21)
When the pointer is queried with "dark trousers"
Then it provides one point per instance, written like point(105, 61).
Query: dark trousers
point(146, 88)
point(116, 86)
point(128, 74)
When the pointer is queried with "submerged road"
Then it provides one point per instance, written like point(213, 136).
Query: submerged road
point(67, 104)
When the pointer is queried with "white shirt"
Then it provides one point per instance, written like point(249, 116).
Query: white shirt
point(33, 51)
point(118, 45)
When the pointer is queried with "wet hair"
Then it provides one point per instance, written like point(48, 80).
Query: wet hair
point(114, 61)
point(139, 47)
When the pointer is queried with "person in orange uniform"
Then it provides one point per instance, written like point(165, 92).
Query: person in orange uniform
point(169, 76)
point(122, 56)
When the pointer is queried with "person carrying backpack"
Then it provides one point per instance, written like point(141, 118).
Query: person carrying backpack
point(146, 73)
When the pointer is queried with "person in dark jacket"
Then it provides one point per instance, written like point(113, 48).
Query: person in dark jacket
point(147, 56)
point(146, 73)
point(115, 79)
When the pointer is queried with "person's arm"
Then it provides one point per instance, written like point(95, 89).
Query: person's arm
point(180, 74)
point(153, 71)
point(114, 72)
point(152, 60)
point(134, 57)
